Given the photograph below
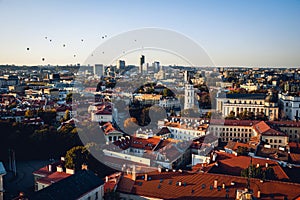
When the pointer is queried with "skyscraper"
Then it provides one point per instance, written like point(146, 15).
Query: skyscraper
point(121, 64)
point(142, 62)
point(98, 70)
point(156, 66)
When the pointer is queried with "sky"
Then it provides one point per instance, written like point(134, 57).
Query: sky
point(232, 32)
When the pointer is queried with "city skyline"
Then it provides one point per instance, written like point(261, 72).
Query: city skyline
point(233, 33)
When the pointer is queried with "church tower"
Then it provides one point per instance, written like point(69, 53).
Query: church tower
point(189, 93)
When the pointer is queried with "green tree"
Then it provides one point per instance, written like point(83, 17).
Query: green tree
point(67, 115)
point(76, 156)
point(242, 151)
point(230, 116)
point(259, 172)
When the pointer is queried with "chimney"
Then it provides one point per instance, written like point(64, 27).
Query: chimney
point(106, 179)
point(50, 168)
point(84, 167)
point(146, 177)
point(133, 173)
point(70, 171)
point(59, 168)
point(215, 183)
point(258, 194)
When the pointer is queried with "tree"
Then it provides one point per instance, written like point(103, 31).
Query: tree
point(69, 98)
point(67, 115)
point(259, 172)
point(242, 151)
point(75, 157)
point(230, 116)
point(29, 113)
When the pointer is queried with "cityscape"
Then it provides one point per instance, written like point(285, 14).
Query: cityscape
point(147, 113)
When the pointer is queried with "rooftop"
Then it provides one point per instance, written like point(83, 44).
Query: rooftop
point(72, 187)
point(233, 165)
point(183, 185)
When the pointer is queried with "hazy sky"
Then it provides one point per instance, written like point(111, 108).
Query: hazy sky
point(256, 33)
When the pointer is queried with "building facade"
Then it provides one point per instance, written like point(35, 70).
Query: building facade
point(256, 103)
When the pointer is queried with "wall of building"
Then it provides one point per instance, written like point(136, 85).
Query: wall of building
point(227, 133)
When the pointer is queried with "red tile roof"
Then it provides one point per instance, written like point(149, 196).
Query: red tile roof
point(235, 145)
point(53, 178)
point(261, 127)
point(165, 185)
point(233, 165)
point(285, 123)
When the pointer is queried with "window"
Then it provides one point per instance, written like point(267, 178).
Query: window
point(279, 141)
point(96, 195)
point(275, 141)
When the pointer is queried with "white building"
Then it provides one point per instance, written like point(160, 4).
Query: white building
point(290, 106)
point(256, 103)
point(185, 129)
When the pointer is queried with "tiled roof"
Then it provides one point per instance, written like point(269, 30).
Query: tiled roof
point(284, 123)
point(246, 96)
point(108, 128)
point(273, 132)
point(235, 145)
point(53, 178)
point(163, 131)
point(261, 127)
point(44, 171)
point(235, 164)
point(112, 181)
point(72, 187)
point(165, 185)
point(146, 144)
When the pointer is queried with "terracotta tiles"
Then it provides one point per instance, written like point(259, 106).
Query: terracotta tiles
point(176, 185)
